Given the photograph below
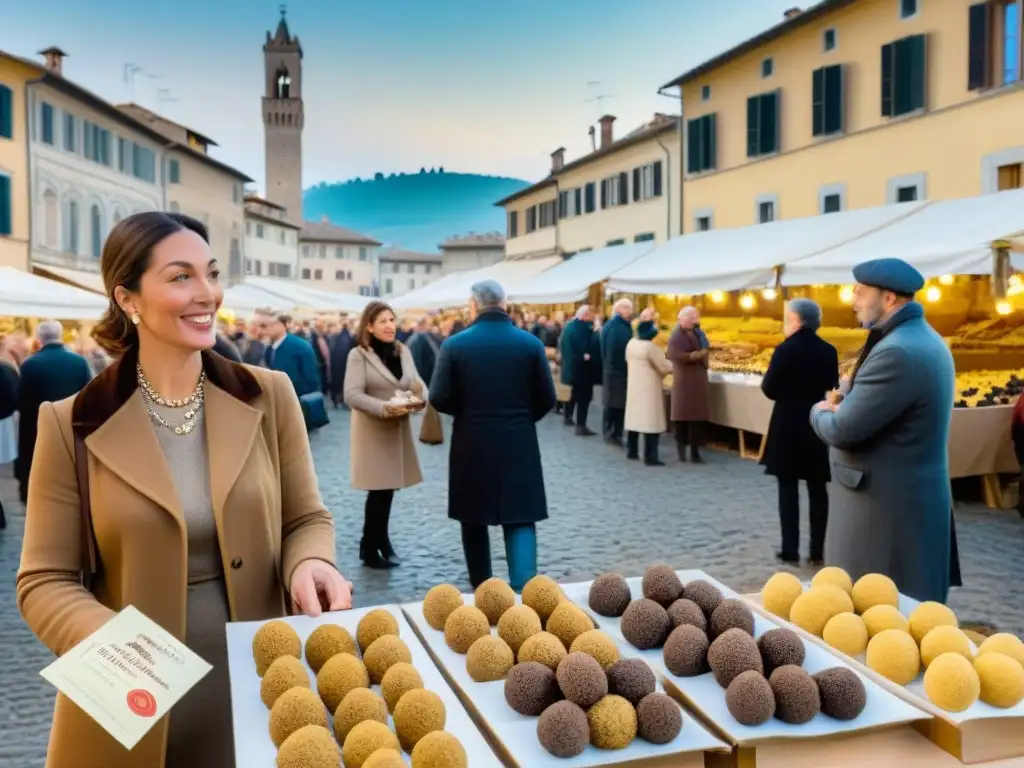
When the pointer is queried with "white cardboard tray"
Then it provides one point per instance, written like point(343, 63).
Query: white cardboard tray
point(518, 733)
point(706, 696)
point(253, 747)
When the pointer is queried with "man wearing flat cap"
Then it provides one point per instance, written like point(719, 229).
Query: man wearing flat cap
point(891, 502)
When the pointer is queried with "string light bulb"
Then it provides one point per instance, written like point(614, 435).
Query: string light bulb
point(769, 294)
point(846, 294)
point(1003, 308)
point(747, 301)
point(1015, 281)
point(946, 280)
point(717, 297)
point(933, 294)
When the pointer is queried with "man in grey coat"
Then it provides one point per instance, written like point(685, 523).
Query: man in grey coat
point(891, 502)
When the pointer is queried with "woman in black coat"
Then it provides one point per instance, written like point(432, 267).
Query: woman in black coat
point(802, 370)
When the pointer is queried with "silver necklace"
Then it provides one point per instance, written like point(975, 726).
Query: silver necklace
point(193, 403)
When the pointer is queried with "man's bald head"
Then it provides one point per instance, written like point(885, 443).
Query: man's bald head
point(623, 308)
point(688, 317)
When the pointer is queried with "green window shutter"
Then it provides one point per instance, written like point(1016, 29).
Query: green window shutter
point(5, 205)
point(692, 146)
point(979, 56)
point(711, 149)
point(753, 126)
point(656, 181)
point(6, 112)
point(917, 77)
point(769, 123)
point(623, 188)
point(636, 185)
point(888, 57)
point(832, 116)
point(818, 102)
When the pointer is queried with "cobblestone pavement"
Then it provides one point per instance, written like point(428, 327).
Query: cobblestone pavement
point(606, 514)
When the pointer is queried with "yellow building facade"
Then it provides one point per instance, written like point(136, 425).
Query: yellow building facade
point(853, 104)
point(15, 218)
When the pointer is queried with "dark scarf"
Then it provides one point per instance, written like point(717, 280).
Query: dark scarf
point(646, 330)
point(909, 311)
point(387, 351)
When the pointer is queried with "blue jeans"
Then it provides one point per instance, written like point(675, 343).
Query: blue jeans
point(520, 551)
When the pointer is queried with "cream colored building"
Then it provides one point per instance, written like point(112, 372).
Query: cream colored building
point(626, 190)
point(472, 251)
point(271, 240)
point(404, 271)
point(334, 258)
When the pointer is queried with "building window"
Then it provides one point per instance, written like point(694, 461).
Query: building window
point(46, 113)
point(763, 124)
point(513, 223)
point(318, 274)
point(6, 203)
point(96, 229)
point(828, 40)
point(904, 76)
point(124, 155)
point(703, 223)
point(1009, 176)
point(321, 252)
point(767, 67)
point(282, 236)
point(766, 208)
point(705, 93)
point(259, 268)
point(612, 243)
point(589, 197)
point(363, 253)
point(387, 285)
point(412, 283)
point(832, 198)
point(647, 181)
point(531, 219)
point(646, 237)
point(279, 269)
point(339, 274)
point(994, 35)
point(908, 188)
point(6, 112)
point(700, 144)
point(410, 268)
point(173, 172)
point(259, 231)
point(827, 100)
point(615, 190)
point(305, 274)
point(117, 216)
point(143, 163)
point(95, 143)
point(71, 245)
point(570, 203)
point(906, 194)
point(70, 132)
point(908, 8)
point(546, 214)
point(339, 252)
point(50, 219)
point(305, 250)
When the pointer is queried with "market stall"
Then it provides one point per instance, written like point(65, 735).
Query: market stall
point(570, 281)
point(26, 295)
point(244, 299)
point(453, 290)
point(79, 278)
point(304, 297)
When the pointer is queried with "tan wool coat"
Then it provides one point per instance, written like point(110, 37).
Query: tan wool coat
point(383, 450)
point(266, 503)
point(645, 398)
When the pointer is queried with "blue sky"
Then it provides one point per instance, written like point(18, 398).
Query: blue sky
point(391, 85)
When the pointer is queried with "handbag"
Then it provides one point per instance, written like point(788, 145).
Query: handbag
point(431, 432)
point(90, 559)
point(314, 410)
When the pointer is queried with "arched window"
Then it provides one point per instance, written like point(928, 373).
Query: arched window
point(71, 245)
point(282, 83)
point(96, 229)
point(117, 216)
point(51, 219)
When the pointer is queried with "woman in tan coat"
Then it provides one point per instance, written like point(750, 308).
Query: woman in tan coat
point(383, 451)
point(137, 497)
point(647, 368)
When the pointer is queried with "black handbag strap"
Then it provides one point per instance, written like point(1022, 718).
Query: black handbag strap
point(89, 558)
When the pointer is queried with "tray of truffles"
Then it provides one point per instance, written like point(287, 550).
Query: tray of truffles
point(354, 686)
point(549, 685)
point(404, 402)
point(919, 646)
point(752, 679)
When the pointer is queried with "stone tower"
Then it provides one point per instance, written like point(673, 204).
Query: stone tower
point(283, 119)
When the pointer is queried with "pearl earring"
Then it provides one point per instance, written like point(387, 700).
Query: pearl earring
point(135, 318)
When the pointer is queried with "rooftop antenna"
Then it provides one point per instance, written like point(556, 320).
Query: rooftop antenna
point(163, 96)
point(130, 70)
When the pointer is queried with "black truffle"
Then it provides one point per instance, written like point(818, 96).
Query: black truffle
point(661, 585)
point(659, 719)
point(645, 624)
point(731, 614)
point(750, 698)
point(631, 679)
point(582, 680)
point(780, 647)
point(704, 595)
point(686, 651)
point(684, 611)
point(563, 729)
point(732, 652)
point(796, 695)
point(530, 688)
point(842, 693)
point(609, 595)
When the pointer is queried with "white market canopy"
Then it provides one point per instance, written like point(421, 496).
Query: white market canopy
point(570, 281)
point(89, 281)
point(746, 257)
point(26, 295)
point(244, 299)
point(299, 296)
point(946, 237)
point(453, 290)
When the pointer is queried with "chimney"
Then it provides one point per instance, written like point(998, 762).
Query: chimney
point(557, 160)
point(606, 130)
point(792, 12)
point(54, 59)
point(593, 141)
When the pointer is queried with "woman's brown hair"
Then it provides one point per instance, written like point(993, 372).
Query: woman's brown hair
point(370, 314)
point(126, 256)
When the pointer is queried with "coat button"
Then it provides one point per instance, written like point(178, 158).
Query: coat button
point(236, 563)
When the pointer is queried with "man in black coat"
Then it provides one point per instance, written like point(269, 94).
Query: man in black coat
point(802, 370)
point(614, 337)
point(51, 374)
point(341, 344)
point(424, 348)
point(494, 379)
point(580, 348)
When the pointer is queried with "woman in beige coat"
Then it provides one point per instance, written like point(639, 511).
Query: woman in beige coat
point(383, 451)
point(646, 367)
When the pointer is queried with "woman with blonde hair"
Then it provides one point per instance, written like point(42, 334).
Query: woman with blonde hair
point(177, 482)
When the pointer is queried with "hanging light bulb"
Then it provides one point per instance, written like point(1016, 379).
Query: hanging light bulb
point(1003, 308)
point(747, 301)
point(946, 280)
point(769, 294)
point(1015, 281)
point(933, 293)
point(846, 294)
point(717, 297)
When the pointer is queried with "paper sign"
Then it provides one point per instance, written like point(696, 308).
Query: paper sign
point(127, 675)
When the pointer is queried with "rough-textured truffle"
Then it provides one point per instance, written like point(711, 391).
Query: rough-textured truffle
point(383, 653)
point(494, 597)
point(1002, 680)
point(530, 688)
point(338, 676)
point(812, 610)
point(567, 622)
point(273, 640)
point(326, 641)
point(439, 603)
point(373, 625)
point(842, 692)
point(418, 713)
point(704, 594)
point(286, 672)
point(686, 651)
point(385, 758)
point(846, 632)
point(609, 595)
point(464, 626)
point(780, 647)
point(951, 683)
point(750, 699)
point(563, 730)
point(397, 681)
point(927, 616)
point(439, 749)
point(659, 719)
point(517, 625)
point(613, 723)
point(645, 624)
point(597, 644)
point(1004, 643)
point(489, 658)
point(945, 639)
point(684, 611)
point(879, 618)
point(542, 594)
point(834, 576)
point(365, 739)
point(544, 648)
point(894, 654)
point(293, 709)
point(732, 652)
point(873, 589)
point(582, 680)
point(662, 585)
point(312, 746)
point(779, 593)
point(731, 614)
point(631, 679)
point(358, 706)
point(796, 695)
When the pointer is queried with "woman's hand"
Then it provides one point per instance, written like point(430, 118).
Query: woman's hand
point(317, 586)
